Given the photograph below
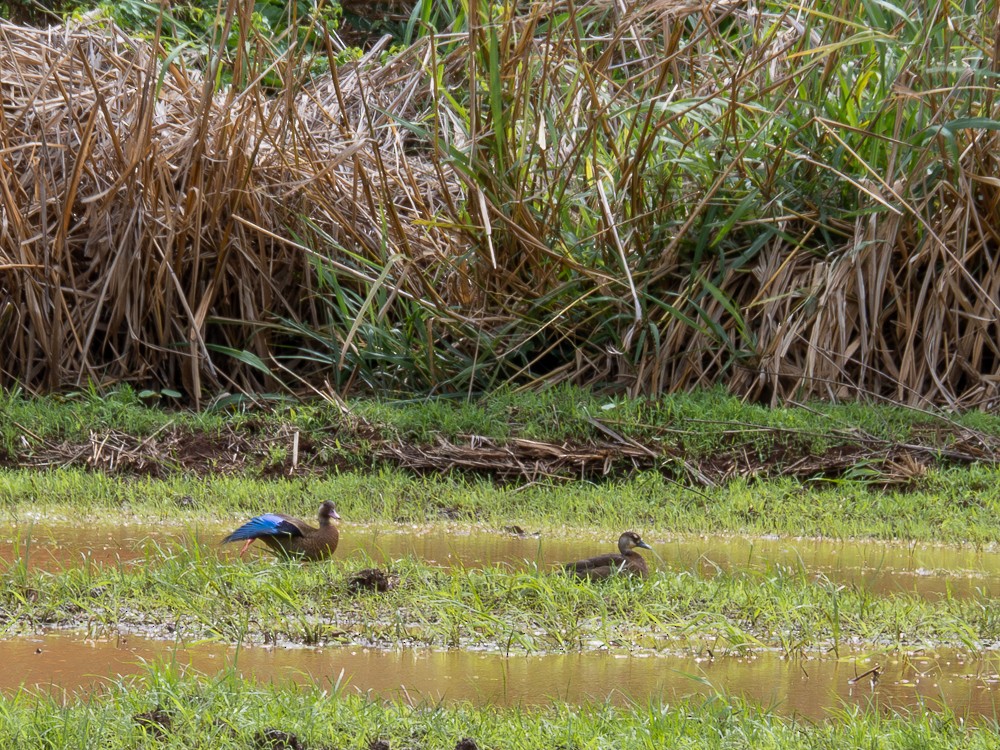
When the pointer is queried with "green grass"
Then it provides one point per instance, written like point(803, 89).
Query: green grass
point(955, 505)
point(699, 422)
point(693, 426)
point(185, 590)
point(226, 713)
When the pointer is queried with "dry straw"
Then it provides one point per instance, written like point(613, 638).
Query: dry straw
point(147, 218)
point(673, 197)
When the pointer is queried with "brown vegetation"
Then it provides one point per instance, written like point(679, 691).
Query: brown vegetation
point(147, 218)
point(158, 231)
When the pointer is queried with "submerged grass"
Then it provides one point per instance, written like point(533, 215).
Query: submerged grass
point(187, 591)
point(164, 709)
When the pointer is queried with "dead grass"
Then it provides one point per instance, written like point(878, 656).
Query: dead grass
point(149, 221)
point(518, 204)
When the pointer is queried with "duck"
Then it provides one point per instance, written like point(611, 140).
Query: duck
point(292, 537)
point(626, 562)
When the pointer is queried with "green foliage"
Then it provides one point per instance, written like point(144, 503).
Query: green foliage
point(958, 505)
point(255, 36)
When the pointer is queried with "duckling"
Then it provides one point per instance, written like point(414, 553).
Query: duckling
point(605, 566)
point(292, 537)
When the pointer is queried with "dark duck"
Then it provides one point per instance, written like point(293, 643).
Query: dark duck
point(626, 562)
point(291, 537)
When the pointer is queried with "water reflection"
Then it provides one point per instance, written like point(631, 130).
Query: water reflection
point(925, 570)
point(809, 688)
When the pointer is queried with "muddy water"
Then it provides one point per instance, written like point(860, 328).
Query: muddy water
point(925, 570)
point(810, 688)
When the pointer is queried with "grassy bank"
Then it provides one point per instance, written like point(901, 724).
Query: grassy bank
point(701, 421)
point(164, 710)
point(698, 439)
point(187, 591)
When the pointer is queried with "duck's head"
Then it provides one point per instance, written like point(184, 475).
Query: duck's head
point(630, 540)
point(328, 512)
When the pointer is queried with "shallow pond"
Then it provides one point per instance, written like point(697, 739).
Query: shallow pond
point(882, 568)
point(811, 688)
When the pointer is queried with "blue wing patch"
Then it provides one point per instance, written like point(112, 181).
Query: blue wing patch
point(267, 525)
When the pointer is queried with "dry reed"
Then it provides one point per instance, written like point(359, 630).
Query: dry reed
point(577, 219)
point(147, 218)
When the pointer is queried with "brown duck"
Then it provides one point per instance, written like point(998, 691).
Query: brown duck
point(626, 562)
point(291, 537)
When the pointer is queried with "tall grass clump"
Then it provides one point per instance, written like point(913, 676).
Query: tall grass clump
point(679, 195)
point(790, 200)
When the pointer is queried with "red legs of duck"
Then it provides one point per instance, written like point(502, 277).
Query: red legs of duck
point(246, 546)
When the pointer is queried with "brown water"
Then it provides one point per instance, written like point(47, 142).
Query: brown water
point(926, 570)
point(810, 688)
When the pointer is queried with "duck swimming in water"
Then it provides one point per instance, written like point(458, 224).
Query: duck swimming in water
point(292, 537)
point(626, 562)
